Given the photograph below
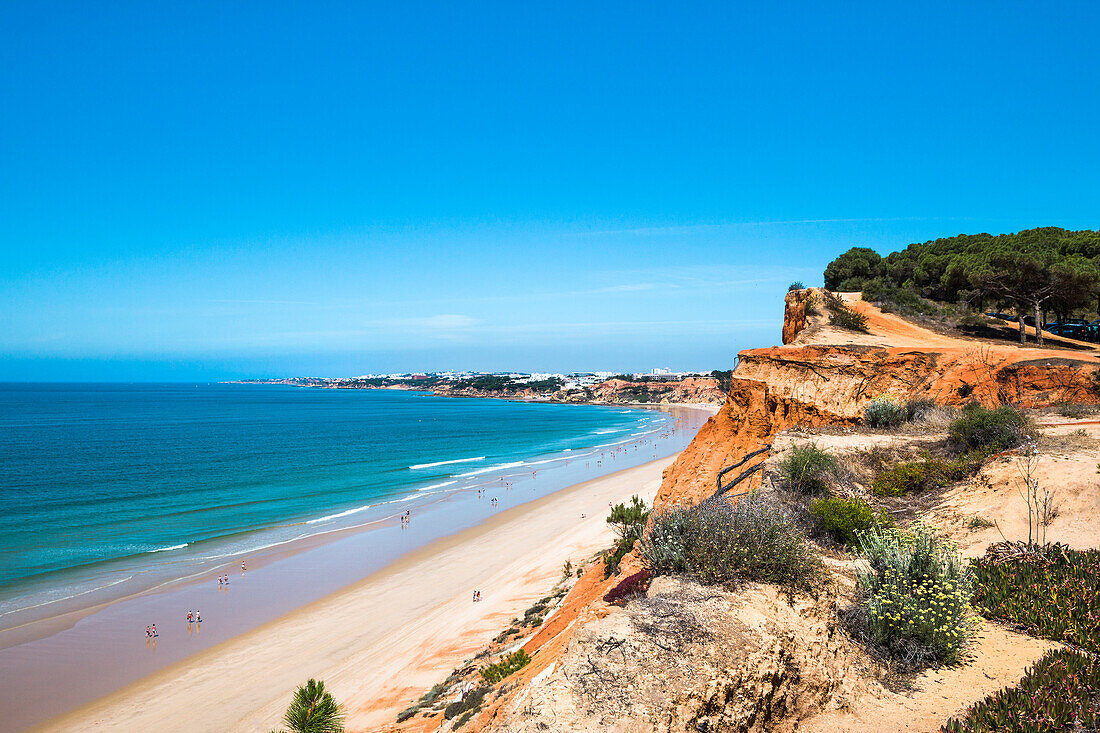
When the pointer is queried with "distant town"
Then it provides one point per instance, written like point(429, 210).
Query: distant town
point(660, 385)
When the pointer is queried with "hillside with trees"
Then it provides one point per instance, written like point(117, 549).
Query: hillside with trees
point(1033, 273)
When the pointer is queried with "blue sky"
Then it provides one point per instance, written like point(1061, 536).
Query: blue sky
point(254, 189)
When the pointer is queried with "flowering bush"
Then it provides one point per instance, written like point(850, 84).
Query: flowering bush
point(916, 593)
point(1054, 592)
point(633, 585)
point(721, 543)
point(1061, 692)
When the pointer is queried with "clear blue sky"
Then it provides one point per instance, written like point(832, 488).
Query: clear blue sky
point(204, 191)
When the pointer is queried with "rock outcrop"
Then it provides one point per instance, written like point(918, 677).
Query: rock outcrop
point(794, 315)
point(688, 657)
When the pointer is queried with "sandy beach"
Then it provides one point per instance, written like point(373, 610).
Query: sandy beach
point(383, 641)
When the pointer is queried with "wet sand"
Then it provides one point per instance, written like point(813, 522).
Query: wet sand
point(385, 639)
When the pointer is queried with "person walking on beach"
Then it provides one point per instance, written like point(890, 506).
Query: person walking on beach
point(154, 631)
point(148, 632)
point(242, 566)
point(189, 618)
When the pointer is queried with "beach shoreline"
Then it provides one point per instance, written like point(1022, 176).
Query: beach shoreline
point(387, 637)
point(47, 660)
point(55, 615)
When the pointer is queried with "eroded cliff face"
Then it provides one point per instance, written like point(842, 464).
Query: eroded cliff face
point(690, 390)
point(820, 383)
point(752, 414)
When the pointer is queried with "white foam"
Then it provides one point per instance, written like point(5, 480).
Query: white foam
point(445, 463)
point(65, 598)
point(436, 486)
point(493, 468)
point(173, 547)
point(349, 512)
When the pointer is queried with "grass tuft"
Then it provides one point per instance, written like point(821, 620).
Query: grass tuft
point(807, 469)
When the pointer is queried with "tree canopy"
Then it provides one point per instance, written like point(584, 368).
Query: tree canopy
point(1031, 271)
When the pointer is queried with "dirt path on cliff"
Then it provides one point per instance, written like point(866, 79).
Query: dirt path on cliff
point(998, 658)
point(894, 332)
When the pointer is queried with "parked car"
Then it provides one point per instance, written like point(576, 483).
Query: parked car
point(1075, 328)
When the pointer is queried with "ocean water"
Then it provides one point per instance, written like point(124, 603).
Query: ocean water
point(111, 489)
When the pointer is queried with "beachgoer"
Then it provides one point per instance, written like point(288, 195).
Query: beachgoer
point(189, 617)
point(198, 617)
point(242, 566)
point(148, 632)
point(154, 631)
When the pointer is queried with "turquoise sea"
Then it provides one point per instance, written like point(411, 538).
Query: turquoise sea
point(109, 489)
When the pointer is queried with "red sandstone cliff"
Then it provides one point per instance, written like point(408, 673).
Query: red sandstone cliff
point(825, 375)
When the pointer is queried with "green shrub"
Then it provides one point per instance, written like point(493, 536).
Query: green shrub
point(848, 319)
point(807, 469)
point(1060, 693)
point(993, 430)
point(892, 299)
point(796, 285)
point(313, 709)
point(629, 521)
point(884, 412)
point(507, 665)
point(844, 519)
point(470, 702)
point(927, 473)
point(917, 407)
point(721, 543)
point(611, 564)
point(810, 303)
point(1053, 592)
point(915, 593)
point(833, 301)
